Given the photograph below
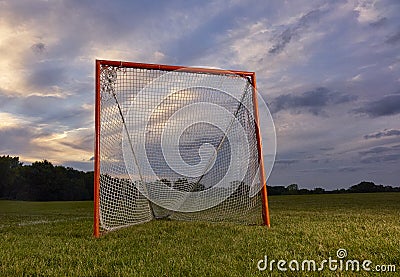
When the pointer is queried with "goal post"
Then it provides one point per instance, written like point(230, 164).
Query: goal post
point(176, 142)
point(263, 179)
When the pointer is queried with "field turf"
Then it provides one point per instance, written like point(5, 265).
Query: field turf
point(55, 239)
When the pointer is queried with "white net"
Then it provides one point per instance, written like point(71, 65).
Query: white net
point(177, 144)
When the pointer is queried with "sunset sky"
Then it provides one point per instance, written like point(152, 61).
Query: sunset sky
point(329, 71)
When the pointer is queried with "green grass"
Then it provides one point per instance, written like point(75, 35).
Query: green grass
point(55, 239)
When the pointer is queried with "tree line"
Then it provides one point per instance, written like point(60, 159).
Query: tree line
point(43, 181)
point(362, 187)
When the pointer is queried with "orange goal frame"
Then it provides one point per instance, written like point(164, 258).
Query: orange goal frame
point(249, 75)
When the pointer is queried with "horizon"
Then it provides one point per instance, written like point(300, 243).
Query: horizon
point(347, 186)
point(329, 73)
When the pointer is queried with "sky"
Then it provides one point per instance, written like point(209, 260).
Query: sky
point(328, 70)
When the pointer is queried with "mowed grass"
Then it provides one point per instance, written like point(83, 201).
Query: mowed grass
point(55, 239)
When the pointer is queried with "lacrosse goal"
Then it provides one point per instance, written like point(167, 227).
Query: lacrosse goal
point(176, 142)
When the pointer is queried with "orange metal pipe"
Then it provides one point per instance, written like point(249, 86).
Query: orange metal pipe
point(174, 67)
point(263, 181)
point(96, 202)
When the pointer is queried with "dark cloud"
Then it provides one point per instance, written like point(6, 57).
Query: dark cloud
point(81, 143)
point(343, 98)
point(326, 148)
point(380, 159)
point(283, 38)
point(31, 141)
point(38, 48)
point(375, 150)
point(47, 74)
point(380, 154)
point(388, 105)
point(319, 161)
point(393, 39)
point(384, 133)
point(5, 99)
point(196, 43)
point(48, 110)
point(319, 169)
point(350, 169)
point(313, 101)
point(379, 23)
point(309, 17)
point(20, 139)
point(286, 161)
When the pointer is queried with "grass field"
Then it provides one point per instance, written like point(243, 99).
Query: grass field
point(55, 239)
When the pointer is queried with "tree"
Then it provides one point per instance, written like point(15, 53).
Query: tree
point(366, 187)
point(292, 189)
point(197, 187)
point(276, 190)
point(318, 191)
point(166, 182)
point(241, 189)
point(182, 184)
point(8, 168)
point(89, 181)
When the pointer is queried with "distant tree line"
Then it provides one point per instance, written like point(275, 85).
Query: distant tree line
point(362, 187)
point(42, 181)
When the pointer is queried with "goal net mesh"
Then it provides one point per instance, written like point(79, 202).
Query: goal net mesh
point(177, 144)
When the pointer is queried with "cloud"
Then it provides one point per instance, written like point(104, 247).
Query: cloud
point(314, 101)
point(283, 38)
point(380, 159)
point(38, 48)
point(394, 38)
point(46, 75)
point(367, 11)
point(34, 143)
point(318, 169)
point(350, 169)
point(49, 49)
point(201, 38)
point(379, 23)
point(79, 139)
point(326, 148)
point(20, 139)
point(386, 106)
point(380, 154)
point(48, 110)
point(384, 133)
point(375, 150)
point(286, 161)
